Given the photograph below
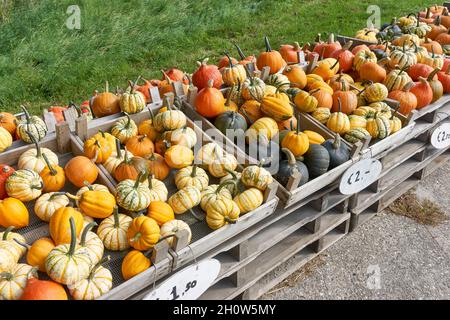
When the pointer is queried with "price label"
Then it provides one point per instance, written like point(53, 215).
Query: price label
point(441, 136)
point(187, 284)
point(360, 175)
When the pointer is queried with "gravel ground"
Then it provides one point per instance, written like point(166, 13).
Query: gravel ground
point(388, 257)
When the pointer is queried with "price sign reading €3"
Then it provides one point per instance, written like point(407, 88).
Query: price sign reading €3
point(359, 176)
point(441, 136)
point(187, 284)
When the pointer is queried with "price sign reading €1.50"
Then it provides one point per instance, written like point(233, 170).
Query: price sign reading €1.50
point(187, 284)
point(359, 176)
point(441, 136)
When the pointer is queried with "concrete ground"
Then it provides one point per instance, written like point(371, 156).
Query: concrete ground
point(388, 257)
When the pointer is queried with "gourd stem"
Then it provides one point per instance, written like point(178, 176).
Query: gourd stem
point(5, 233)
point(194, 171)
point(241, 54)
point(335, 64)
point(8, 276)
point(150, 183)
point(125, 157)
point(119, 151)
point(230, 63)
point(40, 186)
point(88, 185)
point(298, 123)
point(337, 141)
point(53, 172)
point(232, 173)
point(227, 102)
point(152, 116)
point(128, 124)
point(94, 269)
point(85, 232)
point(141, 138)
point(106, 86)
point(136, 237)
point(56, 194)
point(23, 244)
point(166, 237)
point(339, 104)
point(38, 148)
point(291, 158)
point(138, 180)
point(73, 237)
point(27, 114)
point(116, 217)
point(228, 220)
point(71, 196)
point(222, 185)
point(432, 74)
point(266, 41)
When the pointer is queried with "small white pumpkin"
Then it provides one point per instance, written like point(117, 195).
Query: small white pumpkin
point(32, 159)
point(191, 176)
point(116, 158)
point(158, 190)
point(113, 231)
point(92, 243)
point(48, 203)
point(172, 227)
point(14, 281)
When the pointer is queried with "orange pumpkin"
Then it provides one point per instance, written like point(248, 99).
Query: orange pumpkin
point(59, 225)
point(296, 76)
point(407, 100)
point(145, 89)
point(158, 166)
point(140, 146)
point(423, 93)
point(209, 102)
point(161, 212)
point(345, 57)
point(97, 148)
point(80, 169)
point(52, 176)
point(8, 121)
point(290, 52)
point(126, 169)
point(270, 58)
point(36, 289)
point(372, 71)
point(324, 98)
point(251, 110)
point(348, 100)
point(105, 103)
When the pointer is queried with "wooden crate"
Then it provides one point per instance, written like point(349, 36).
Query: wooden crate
point(290, 194)
point(204, 239)
point(66, 146)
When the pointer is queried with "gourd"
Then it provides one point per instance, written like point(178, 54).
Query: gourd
point(52, 176)
point(31, 126)
point(143, 233)
point(379, 127)
point(338, 151)
point(213, 193)
point(33, 159)
point(98, 149)
point(43, 290)
point(356, 134)
point(90, 187)
point(233, 73)
point(133, 195)
point(344, 100)
point(296, 141)
point(147, 128)
point(169, 120)
point(7, 259)
point(372, 71)
point(38, 252)
point(256, 176)
point(191, 176)
point(375, 92)
point(249, 200)
point(171, 227)
point(124, 129)
point(60, 224)
point(92, 243)
point(317, 159)
point(105, 103)
point(423, 92)
point(179, 156)
point(183, 136)
point(210, 101)
point(406, 99)
point(135, 262)
point(279, 81)
point(47, 204)
point(270, 58)
point(382, 109)
point(132, 101)
point(24, 185)
point(157, 166)
point(8, 122)
point(435, 85)
point(109, 138)
point(396, 79)
point(327, 68)
point(314, 137)
point(13, 281)
point(365, 112)
point(10, 248)
point(223, 162)
point(13, 213)
point(158, 190)
point(338, 121)
point(96, 204)
point(395, 123)
point(363, 57)
point(161, 212)
point(288, 167)
point(68, 263)
point(231, 120)
point(6, 139)
point(5, 172)
point(80, 169)
point(185, 199)
point(116, 158)
point(266, 128)
point(222, 212)
point(204, 73)
point(251, 110)
point(129, 168)
point(305, 102)
point(435, 61)
point(253, 88)
point(321, 114)
point(112, 231)
point(235, 183)
point(324, 98)
point(140, 146)
point(402, 58)
point(207, 154)
point(357, 121)
point(95, 285)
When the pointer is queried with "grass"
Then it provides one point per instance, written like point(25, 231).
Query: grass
point(422, 211)
point(43, 63)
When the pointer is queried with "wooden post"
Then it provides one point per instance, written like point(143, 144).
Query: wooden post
point(160, 252)
point(154, 94)
point(192, 93)
point(70, 115)
point(264, 73)
point(50, 121)
point(270, 191)
point(178, 89)
point(293, 181)
point(81, 127)
point(63, 137)
point(181, 240)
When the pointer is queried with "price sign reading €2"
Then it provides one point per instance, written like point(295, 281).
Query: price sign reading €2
point(441, 136)
point(359, 176)
point(187, 284)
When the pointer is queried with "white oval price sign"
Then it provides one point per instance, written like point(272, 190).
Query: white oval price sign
point(360, 175)
point(441, 136)
point(187, 284)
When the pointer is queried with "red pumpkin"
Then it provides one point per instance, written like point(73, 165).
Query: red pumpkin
point(58, 113)
point(270, 58)
point(290, 52)
point(432, 46)
point(206, 72)
point(407, 100)
point(372, 71)
point(345, 57)
point(43, 290)
point(358, 48)
point(209, 102)
point(443, 38)
point(225, 62)
point(446, 64)
point(444, 78)
point(5, 172)
point(423, 93)
point(175, 74)
point(419, 70)
point(344, 100)
point(436, 29)
point(330, 47)
point(145, 90)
